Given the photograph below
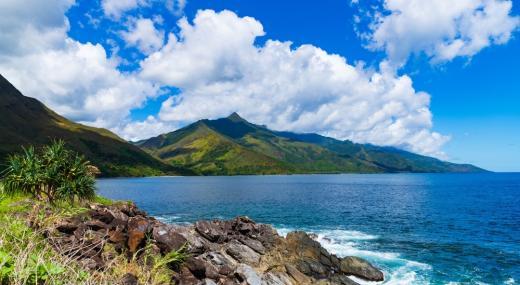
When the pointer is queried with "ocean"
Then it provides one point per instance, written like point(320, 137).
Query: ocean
point(418, 228)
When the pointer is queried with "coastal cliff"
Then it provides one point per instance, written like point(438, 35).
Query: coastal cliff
point(237, 251)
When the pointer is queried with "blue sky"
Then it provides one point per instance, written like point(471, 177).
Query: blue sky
point(463, 58)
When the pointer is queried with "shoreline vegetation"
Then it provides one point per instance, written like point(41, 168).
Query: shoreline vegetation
point(55, 230)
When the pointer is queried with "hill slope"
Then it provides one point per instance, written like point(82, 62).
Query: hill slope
point(234, 146)
point(26, 121)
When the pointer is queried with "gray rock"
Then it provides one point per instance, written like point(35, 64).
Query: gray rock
point(247, 274)
point(242, 253)
point(271, 278)
point(253, 244)
point(342, 280)
point(212, 231)
point(167, 239)
point(208, 282)
point(359, 267)
point(299, 277)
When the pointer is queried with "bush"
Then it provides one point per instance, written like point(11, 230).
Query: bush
point(54, 173)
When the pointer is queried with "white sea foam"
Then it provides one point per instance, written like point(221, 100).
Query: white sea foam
point(397, 270)
point(510, 281)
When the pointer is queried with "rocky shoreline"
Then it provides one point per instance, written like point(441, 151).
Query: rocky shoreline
point(237, 251)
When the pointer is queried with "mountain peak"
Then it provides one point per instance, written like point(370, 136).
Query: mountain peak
point(235, 117)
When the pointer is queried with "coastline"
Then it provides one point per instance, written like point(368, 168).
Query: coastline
point(237, 251)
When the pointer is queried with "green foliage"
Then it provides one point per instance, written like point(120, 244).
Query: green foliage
point(233, 146)
point(55, 173)
point(25, 121)
point(174, 258)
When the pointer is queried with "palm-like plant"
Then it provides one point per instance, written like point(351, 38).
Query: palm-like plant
point(54, 174)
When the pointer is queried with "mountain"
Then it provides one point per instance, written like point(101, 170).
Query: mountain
point(233, 146)
point(25, 121)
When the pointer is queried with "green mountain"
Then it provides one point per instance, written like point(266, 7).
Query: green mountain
point(25, 121)
point(233, 146)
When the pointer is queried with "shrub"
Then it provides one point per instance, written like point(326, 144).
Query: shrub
point(54, 173)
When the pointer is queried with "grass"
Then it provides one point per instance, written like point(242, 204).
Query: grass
point(26, 257)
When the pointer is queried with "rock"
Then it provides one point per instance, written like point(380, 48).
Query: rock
point(197, 244)
point(67, 226)
point(299, 277)
point(358, 267)
point(117, 237)
point(303, 245)
point(167, 239)
point(130, 209)
point(208, 282)
point(271, 278)
point(137, 229)
point(248, 275)
point(96, 225)
point(253, 244)
point(197, 267)
point(242, 253)
point(187, 278)
point(129, 279)
point(102, 214)
point(342, 280)
point(243, 225)
point(212, 231)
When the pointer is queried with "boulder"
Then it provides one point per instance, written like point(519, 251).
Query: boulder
point(197, 267)
point(67, 226)
point(102, 214)
point(273, 278)
point(96, 225)
point(211, 230)
point(299, 277)
point(359, 267)
point(137, 229)
point(242, 253)
point(167, 239)
point(246, 274)
point(342, 280)
point(253, 244)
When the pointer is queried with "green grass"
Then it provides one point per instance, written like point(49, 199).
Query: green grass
point(27, 258)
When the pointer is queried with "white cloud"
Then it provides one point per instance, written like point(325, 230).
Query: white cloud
point(143, 34)
point(176, 6)
point(150, 127)
point(75, 79)
point(219, 69)
point(116, 8)
point(441, 29)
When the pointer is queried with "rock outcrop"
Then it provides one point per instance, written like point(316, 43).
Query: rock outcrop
point(237, 251)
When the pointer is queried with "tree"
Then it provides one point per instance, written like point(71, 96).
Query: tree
point(54, 173)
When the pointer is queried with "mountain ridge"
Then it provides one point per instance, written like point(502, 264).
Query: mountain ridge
point(289, 152)
point(25, 121)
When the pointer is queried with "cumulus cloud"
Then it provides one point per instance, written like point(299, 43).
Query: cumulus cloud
point(76, 79)
point(219, 69)
point(143, 35)
point(441, 29)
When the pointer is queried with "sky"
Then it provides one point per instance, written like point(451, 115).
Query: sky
point(439, 78)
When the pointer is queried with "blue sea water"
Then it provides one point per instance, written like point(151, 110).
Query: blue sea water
point(419, 228)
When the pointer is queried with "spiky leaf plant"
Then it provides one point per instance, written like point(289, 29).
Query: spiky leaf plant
point(54, 173)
